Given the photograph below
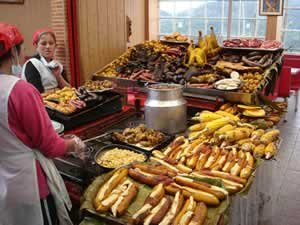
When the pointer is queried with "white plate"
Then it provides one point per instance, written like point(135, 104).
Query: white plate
point(228, 88)
point(58, 127)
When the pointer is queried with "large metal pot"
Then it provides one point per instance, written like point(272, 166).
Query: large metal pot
point(165, 108)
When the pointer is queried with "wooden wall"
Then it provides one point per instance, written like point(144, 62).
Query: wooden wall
point(102, 34)
point(153, 20)
point(28, 17)
point(136, 10)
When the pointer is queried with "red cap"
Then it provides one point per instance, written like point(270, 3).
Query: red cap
point(9, 37)
point(38, 33)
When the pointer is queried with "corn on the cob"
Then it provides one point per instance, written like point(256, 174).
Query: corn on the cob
point(259, 151)
point(270, 150)
point(240, 124)
point(194, 135)
point(246, 171)
point(214, 125)
point(242, 141)
point(257, 134)
point(197, 127)
point(223, 129)
point(270, 136)
point(207, 116)
point(226, 114)
point(237, 134)
point(248, 147)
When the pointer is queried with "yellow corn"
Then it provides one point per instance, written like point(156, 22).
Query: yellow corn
point(270, 150)
point(227, 114)
point(207, 116)
point(237, 134)
point(214, 125)
point(248, 147)
point(197, 127)
point(257, 134)
point(259, 151)
point(194, 135)
point(242, 141)
point(223, 129)
point(270, 136)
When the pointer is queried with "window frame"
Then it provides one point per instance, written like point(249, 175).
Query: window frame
point(222, 18)
point(284, 29)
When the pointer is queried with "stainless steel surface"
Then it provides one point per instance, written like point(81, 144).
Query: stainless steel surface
point(165, 108)
point(204, 93)
point(232, 96)
point(93, 138)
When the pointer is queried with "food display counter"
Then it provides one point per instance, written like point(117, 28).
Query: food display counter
point(154, 61)
point(252, 205)
point(217, 172)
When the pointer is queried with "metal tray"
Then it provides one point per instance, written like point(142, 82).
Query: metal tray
point(112, 102)
point(204, 93)
point(111, 146)
point(164, 143)
point(174, 42)
point(254, 49)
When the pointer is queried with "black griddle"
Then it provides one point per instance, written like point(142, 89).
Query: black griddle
point(111, 102)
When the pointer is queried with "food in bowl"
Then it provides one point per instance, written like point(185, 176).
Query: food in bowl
point(116, 157)
point(140, 135)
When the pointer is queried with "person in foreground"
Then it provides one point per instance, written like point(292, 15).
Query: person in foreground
point(42, 71)
point(31, 190)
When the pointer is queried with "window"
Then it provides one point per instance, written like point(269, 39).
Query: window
point(190, 16)
point(291, 26)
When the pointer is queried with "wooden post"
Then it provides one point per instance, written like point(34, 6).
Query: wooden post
point(271, 28)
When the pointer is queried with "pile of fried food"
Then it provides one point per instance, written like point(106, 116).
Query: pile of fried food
point(98, 85)
point(140, 135)
point(175, 36)
point(173, 199)
point(69, 100)
point(220, 146)
point(251, 82)
point(262, 117)
point(117, 157)
point(60, 99)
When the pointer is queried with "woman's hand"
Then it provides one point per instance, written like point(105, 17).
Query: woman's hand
point(75, 146)
point(56, 71)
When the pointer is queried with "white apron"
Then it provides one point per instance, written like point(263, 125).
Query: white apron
point(19, 193)
point(48, 79)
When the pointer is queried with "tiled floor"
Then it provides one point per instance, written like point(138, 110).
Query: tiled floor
point(287, 192)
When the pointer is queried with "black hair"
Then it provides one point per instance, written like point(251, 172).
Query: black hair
point(8, 54)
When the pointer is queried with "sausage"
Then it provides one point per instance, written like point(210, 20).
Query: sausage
point(249, 62)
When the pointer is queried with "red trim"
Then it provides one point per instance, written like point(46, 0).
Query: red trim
point(73, 42)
